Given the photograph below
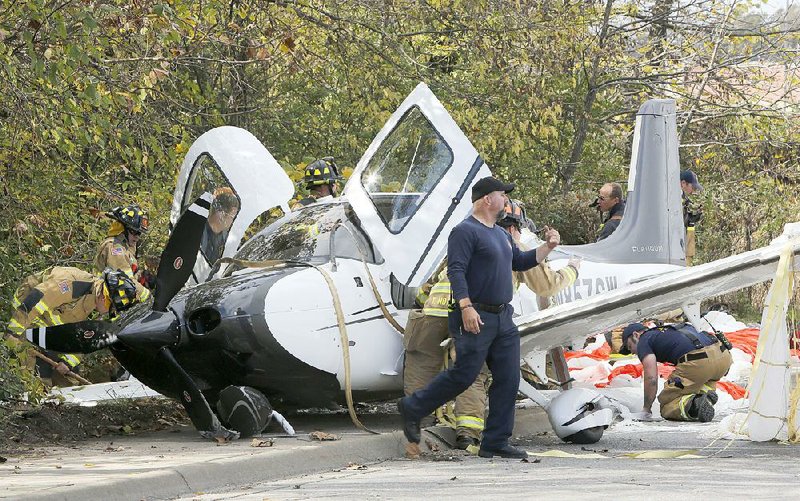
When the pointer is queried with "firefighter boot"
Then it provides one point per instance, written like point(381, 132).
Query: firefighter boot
point(701, 408)
point(464, 441)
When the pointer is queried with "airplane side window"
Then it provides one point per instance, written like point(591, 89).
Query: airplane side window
point(405, 168)
point(206, 176)
point(266, 218)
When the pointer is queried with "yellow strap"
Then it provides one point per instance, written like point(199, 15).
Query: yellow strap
point(345, 342)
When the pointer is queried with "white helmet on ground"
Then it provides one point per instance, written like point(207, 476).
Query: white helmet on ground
point(580, 415)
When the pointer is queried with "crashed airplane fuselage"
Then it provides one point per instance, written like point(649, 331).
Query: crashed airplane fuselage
point(268, 318)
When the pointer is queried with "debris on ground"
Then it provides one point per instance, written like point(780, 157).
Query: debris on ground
point(322, 436)
point(24, 425)
point(595, 366)
point(413, 451)
point(262, 442)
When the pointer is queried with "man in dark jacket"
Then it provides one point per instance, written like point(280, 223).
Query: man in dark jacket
point(609, 200)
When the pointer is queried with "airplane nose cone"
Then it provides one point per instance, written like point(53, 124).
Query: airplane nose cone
point(151, 332)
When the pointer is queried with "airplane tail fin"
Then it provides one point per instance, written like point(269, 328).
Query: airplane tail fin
point(651, 231)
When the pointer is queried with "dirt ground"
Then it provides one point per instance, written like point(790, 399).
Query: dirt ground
point(23, 427)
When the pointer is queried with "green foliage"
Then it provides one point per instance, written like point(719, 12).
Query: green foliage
point(100, 100)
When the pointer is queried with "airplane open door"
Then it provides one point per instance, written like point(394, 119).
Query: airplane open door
point(244, 180)
point(412, 186)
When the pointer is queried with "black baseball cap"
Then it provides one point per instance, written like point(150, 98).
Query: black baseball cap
point(486, 185)
point(627, 333)
point(691, 178)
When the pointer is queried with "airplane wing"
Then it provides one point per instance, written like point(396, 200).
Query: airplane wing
point(566, 323)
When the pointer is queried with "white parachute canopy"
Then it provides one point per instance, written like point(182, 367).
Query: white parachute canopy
point(773, 393)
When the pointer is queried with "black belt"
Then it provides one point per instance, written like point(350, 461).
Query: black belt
point(698, 356)
point(490, 308)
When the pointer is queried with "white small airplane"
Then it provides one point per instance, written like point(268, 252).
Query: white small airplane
point(294, 315)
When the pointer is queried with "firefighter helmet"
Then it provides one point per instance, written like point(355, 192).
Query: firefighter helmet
point(321, 171)
point(514, 215)
point(132, 217)
point(120, 289)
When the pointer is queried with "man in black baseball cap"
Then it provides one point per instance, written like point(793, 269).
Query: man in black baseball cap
point(488, 185)
point(629, 331)
point(689, 182)
point(480, 258)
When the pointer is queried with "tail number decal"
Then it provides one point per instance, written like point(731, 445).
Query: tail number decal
point(583, 288)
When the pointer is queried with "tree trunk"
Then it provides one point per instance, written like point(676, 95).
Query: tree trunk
point(584, 113)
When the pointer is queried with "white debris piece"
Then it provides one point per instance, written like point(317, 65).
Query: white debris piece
point(89, 395)
point(741, 367)
point(283, 422)
point(721, 321)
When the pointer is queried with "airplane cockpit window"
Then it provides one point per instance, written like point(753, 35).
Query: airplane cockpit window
point(306, 236)
point(206, 176)
point(405, 168)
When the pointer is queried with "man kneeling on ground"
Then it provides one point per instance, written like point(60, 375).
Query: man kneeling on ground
point(700, 359)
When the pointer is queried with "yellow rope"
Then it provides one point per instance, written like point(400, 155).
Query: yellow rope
point(345, 342)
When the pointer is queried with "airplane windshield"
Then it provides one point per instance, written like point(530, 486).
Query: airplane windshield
point(405, 168)
point(306, 236)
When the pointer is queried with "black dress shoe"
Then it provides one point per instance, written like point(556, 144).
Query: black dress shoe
point(410, 426)
point(506, 451)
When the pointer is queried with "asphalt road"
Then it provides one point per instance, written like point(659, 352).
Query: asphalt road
point(719, 468)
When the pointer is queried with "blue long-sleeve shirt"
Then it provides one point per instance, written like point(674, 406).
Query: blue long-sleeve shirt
point(480, 261)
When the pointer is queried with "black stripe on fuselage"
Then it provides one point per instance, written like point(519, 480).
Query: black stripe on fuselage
point(473, 171)
point(353, 322)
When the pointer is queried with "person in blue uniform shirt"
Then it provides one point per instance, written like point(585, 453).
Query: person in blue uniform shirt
point(481, 257)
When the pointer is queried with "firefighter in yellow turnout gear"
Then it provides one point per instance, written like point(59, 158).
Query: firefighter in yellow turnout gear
point(320, 178)
point(118, 250)
point(427, 330)
point(59, 296)
point(692, 212)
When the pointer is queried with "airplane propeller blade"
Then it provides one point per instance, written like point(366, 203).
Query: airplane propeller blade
point(80, 337)
point(180, 254)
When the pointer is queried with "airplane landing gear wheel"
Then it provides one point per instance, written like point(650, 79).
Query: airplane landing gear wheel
point(244, 409)
point(587, 436)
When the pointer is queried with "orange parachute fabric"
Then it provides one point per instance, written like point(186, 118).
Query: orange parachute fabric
point(601, 353)
point(734, 390)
